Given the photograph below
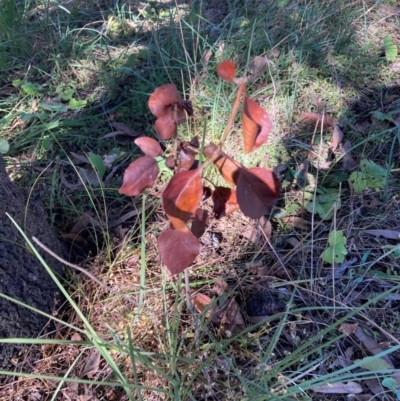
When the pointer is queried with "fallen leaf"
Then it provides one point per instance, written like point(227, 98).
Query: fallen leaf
point(178, 249)
point(316, 118)
point(296, 222)
point(88, 175)
point(139, 175)
point(348, 328)
point(186, 157)
point(337, 136)
point(84, 221)
point(149, 146)
point(258, 65)
point(80, 158)
point(256, 125)
point(348, 162)
point(182, 196)
point(91, 366)
point(227, 312)
point(389, 234)
point(125, 129)
point(114, 134)
point(201, 302)
point(339, 388)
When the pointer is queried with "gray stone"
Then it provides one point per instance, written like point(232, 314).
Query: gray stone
point(22, 276)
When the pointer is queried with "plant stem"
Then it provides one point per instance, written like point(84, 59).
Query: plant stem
point(231, 120)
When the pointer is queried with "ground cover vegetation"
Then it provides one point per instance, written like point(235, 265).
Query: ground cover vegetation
point(300, 301)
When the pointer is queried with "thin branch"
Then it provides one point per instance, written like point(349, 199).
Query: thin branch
point(76, 267)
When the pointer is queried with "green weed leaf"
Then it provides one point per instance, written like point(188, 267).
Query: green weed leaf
point(371, 176)
point(16, 83)
point(97, 163)
point(337, 248)
point(372, 363)
point(390, 383)
point(67, 94)
point(31, 88)
point(323, 202)
point(76, 104)
point(390, 48)
point(4, 146)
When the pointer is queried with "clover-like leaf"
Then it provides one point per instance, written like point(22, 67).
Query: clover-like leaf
point(337, 248)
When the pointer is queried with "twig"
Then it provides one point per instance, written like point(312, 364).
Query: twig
point(76, 267)
point(341, 269)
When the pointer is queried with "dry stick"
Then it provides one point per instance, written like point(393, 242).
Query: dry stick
point(76, 267)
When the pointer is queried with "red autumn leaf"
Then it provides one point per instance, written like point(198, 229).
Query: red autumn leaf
point(186, 157)
point(139, 175)
point(149, 146)
point(162, 103)
point(256, 125)
point(226, 70)
point(165, 125)
point(200, 222)
point(178, 249)
point(225, 201)
point(316, 118)
point(163, 97)
point(228, 167)
point(181, 197)
point(201, 302)
point(257, 191)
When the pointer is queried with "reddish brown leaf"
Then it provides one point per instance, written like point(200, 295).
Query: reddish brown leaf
point(207, 192)
point(225, 201)
point(139, 175)
point(228, 167)
point(200, 222)
point(165, 125)
point(256, 125)
point(316, 118)
point(201, 302)
point(149, 146)
point(257, 191)
point(226, 70)
point(186, 157)
point(337, 136)
point(178, 249)
point(163, 97)
point(182, 196)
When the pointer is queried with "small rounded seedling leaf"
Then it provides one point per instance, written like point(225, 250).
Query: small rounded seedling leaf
point(162, 97)
point(226, 70)
point(182, 196)
point(139, 175)
point(149, 146)
point(257, 191)
point(225, 201)
point(256, 125)
point(178, 249)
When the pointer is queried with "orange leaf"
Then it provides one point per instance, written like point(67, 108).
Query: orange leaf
point(181, 197)
point(256, 125)
point(225, 201)
point(178, 249)
point(226, 70)
point(201, 301)
point(228, 167)
point(163, 97)
point(149, 146)
point(139, 175)
point(257, 191)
